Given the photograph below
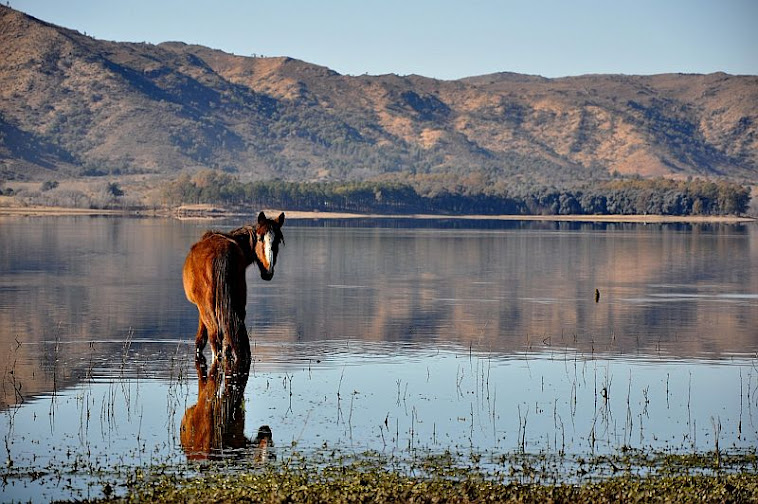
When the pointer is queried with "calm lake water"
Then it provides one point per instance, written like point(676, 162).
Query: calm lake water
point(397, 337)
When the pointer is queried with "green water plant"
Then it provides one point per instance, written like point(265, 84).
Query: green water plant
point(349, 484)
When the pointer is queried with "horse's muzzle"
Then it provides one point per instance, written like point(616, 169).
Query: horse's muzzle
point(267, 276)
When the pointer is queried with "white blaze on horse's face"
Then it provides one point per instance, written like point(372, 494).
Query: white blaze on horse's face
point(266, 253)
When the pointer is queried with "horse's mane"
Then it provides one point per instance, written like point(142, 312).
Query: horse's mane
point(232, 235)
point(244, 237)
point(212, 232)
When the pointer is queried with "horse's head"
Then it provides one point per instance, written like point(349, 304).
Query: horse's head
point(268, 236)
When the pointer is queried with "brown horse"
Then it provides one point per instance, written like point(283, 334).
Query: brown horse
point(214, 280)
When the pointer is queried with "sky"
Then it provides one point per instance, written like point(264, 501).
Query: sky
point(444, 39)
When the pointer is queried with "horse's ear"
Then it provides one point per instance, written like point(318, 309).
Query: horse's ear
point(280, 219)
point(261, 218)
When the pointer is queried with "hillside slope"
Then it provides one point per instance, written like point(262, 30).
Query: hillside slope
point(71, 106)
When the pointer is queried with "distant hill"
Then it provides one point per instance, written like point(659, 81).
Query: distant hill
point(73, 106)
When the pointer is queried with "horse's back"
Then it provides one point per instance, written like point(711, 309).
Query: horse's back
point(198, 273)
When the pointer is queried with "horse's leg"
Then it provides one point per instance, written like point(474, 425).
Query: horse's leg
point(215, 338)
point(201, 338)
point(241, 344)
point(219, 347)
point(230, 352)
point(215, 343)
point(242, 341)
point(230, 348)
point(209, 331)
point(201, 366)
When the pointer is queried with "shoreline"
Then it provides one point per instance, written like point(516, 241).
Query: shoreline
point(727, 219)
point(209, 212)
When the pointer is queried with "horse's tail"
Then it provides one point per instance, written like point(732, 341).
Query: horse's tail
point(227, 319)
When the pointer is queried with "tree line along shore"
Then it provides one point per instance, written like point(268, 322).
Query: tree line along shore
point(693, 197)
point(209, 192)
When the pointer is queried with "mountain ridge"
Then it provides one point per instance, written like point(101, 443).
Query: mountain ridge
point(72, 106)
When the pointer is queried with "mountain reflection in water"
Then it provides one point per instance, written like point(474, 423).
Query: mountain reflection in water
point(667, 290)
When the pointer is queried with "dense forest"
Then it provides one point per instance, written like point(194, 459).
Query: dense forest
point(420, 195)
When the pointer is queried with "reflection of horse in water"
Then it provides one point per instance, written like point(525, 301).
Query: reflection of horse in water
point(216, 423)
point(217, 420)
point(263, 445)
point(214, 280)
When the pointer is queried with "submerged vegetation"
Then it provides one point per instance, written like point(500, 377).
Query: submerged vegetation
point(424, 194)
point(669, 478)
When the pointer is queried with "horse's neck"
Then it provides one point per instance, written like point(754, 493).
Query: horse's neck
point(244, 238)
